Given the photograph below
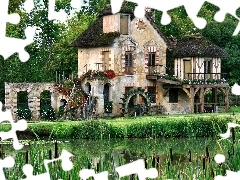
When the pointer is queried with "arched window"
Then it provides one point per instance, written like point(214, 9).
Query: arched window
point(22, 99)
point(87, 88)
point(45, 99)
point(106, 92)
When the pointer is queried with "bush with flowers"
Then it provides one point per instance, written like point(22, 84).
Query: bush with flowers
point(95, 74)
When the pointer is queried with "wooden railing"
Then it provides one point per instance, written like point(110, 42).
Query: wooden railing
point(205, 76)
point(98, 67)
point(155, 69)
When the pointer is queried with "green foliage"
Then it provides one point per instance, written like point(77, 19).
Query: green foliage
point(90, 130)
point(108, 106)
point(24, 113)
point(47, 112)
point(60, 111)
point(100, 129)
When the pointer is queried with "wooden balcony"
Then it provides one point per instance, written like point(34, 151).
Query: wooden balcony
point(205, 76)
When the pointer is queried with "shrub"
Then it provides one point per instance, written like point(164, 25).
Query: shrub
point(24, 113)
point(47, 112)
point(100, 129)
point(91, 130)
point(60, 111)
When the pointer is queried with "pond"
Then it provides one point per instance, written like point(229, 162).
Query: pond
point(173, 154)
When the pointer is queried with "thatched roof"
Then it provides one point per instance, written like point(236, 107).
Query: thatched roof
point(197, 46)
point(124, 9)
point(93, 36)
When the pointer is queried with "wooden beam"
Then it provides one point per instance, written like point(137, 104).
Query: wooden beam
point(187, 91)
point(191, 99)
point(227, 99)
point(196, 90)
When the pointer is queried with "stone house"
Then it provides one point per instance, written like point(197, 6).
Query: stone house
point(141, 55)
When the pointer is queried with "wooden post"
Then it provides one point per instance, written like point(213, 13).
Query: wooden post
point(192, 99)
point(214, 98)
point(226, 99)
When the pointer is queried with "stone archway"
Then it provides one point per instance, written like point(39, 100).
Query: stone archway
point(142, 108)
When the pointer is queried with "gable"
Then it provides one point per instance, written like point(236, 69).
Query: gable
point(146, 33)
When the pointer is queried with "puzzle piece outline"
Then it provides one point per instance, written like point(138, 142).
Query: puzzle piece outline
point(20, 125)
point(67, 165)
point(192, 9)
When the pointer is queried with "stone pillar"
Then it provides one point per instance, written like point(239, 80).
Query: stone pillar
point(100, 100)
point(36, 108)
point(202, 99)
point(54, 101)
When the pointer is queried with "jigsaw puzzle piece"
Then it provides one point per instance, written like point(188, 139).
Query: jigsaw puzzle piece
point(230, 7)
point(28, 5)
point(84, 174)
point(9, 46)
point(7, 162)
point(12, 45)
point(5, 18)
point(79, 3)
point(20, 125)
point(66, 165)
point(227, 8)
point(192, 8)
point(137, 167)
point(28, 171)
point(54, 15)
point(116, 5)
point(159, 5)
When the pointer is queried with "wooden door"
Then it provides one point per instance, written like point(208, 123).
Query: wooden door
point(187, 69)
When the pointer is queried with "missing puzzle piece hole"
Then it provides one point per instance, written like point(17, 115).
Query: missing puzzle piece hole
point(200, 23)
point(28, 170)
point(139, 11)
point(8, 162)
point(166, 19)
point(13, 18)
point(238, 12)
point(219, 16)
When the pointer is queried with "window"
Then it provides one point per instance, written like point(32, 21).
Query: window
point(151, 59)
point(124, 24)
point(152, 94)
point(207, 66)
point(128, 63)
point(127, 89)
point(173, 95)
point(128, 59)
point(106, 59)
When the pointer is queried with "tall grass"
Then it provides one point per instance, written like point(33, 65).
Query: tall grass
point(131, 128)
point(172, 165)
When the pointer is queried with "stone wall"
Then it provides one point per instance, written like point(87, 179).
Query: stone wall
point(34, 91)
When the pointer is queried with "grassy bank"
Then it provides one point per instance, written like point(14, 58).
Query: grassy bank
point(140, 127)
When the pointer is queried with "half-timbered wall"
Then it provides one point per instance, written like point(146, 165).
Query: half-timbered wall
point(197, 65)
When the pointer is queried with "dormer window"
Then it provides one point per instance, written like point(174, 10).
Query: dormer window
point(124, 22)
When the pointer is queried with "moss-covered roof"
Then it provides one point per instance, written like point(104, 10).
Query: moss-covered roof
point(93, 36)
point(197, 46)
point(124, 9)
